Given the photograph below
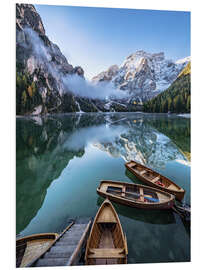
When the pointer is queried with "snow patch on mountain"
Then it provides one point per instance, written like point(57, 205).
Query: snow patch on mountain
point(143, 75)
point(184, 60)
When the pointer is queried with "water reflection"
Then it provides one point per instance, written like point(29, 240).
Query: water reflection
point(146, 216)
point(61, 159)
point(40, 158)
point(178, 131)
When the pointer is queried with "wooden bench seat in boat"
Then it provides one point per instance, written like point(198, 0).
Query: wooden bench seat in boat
point(172, 187)
point(123, 191)
point(102, 253)
point(141, 194)
point(155, 179)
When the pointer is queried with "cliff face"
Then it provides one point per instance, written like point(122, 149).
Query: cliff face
point(41, 69)
point(143, 74)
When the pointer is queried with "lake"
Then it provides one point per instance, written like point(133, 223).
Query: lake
point(60, 160)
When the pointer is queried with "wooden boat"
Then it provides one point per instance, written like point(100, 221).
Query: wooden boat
point(155, 179)
point(135, 195)
point(107, 243)
point(31, 247)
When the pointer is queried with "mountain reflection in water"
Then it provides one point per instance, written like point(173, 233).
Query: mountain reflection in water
point(61, 159)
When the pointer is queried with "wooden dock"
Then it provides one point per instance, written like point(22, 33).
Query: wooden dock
point(68, 247)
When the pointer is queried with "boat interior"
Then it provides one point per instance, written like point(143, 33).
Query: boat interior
point(154, 177)
point(134, 193)
point(26, 251)
point(106, 245)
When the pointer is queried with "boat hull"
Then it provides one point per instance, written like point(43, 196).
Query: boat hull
point(31, 247)
point(179, 194)
point(107, 243)
point(125, 201)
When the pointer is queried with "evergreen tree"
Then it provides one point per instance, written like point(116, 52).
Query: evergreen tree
point(175, 99)
point(188, 104)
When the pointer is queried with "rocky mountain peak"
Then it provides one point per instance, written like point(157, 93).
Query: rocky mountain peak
point(41, 67)
point(27, 16)
point(144, 75)
point(106, 75)
point(135, 59)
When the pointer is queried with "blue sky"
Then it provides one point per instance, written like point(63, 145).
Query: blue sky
point(96, 38)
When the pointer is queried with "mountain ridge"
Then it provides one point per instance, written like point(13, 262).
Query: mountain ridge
point(47, 83)
point(143, 74)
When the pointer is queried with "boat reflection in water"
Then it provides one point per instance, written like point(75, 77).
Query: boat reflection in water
point(146, 216)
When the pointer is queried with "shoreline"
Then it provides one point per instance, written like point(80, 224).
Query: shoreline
point(184, 115)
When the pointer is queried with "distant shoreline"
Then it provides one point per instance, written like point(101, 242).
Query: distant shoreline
point(185, 115)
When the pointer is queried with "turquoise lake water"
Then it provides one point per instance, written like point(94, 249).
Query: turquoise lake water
point(61, 159)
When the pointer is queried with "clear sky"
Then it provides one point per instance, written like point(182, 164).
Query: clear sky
point(96, 38)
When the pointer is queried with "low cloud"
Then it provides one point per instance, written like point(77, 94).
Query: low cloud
point(73, 83)
point(80, 87)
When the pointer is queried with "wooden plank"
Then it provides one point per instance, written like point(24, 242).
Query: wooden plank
point(63, 254)
point(35, 260)
point(73, 258)
point(102, 253)
point(142, 172)
point(66, 242)
point(34, 249)
point(107, 216)
point(141, 194)
point(51, 262)
point(125, 245)
point(60, 249)
point(155, 179)
point(106, 240)
point(123, 191)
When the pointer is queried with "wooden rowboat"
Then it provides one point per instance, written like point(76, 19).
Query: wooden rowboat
point(135, 195)
point(107, 243)
point(155, 179)
point(31, 247)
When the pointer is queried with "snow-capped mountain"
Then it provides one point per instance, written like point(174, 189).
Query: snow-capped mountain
point(183, 60)
point(143, 74)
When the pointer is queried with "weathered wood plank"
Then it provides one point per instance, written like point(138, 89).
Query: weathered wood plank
point(77, 252)
point(63, 254)
point(98, 253)
point(46, 250)
point(67, 250)
point(60, 249)
point(51, 262)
